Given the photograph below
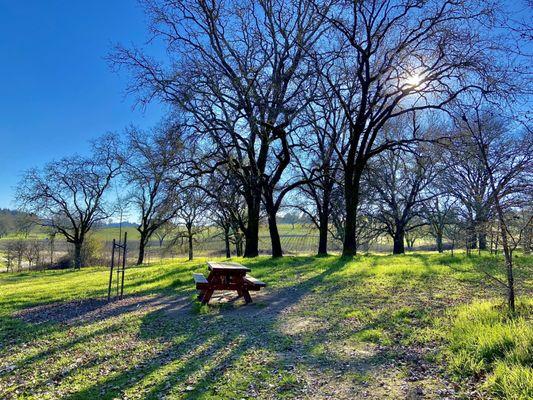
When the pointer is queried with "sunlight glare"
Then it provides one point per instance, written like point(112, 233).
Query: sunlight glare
point(414, 80)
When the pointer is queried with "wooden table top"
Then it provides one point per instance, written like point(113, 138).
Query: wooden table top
point(226, 266)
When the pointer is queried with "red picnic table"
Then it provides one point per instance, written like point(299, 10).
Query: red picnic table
point(226, 276)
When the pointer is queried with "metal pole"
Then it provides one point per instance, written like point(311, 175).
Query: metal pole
point(123, 264)
point(111, 271)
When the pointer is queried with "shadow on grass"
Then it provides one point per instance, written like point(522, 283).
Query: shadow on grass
point(219, 343)
point(237, 351)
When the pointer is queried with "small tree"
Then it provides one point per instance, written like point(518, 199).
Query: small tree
point(150, 172)
point(69, 194)
point(33, 252)
point(16, 250)
point(400, 180)
point(412, 235)
point(438, 212)
point(508, 162)
point(164, 231)
point(190, 213)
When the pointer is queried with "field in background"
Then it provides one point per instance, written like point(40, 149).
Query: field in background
point(296, 239)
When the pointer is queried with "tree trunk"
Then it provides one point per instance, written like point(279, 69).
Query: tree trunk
point(190, 247)
point(142, 248)
point(491, 243)
point(323, 234)
point(274, 235)
point(507, 250)
point(272, 211)
point(471, 237)
point(399, 238)
point(453, 245)
point(77, 255)
point(482, 240)
point(438, 239)
point(226, 241)
point(238, 245)
point(253, 203)
point(351, 195)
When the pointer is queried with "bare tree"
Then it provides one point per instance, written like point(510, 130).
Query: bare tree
point(318, 162)
point(467, 180)
point(400, 180)
point(227, 208)
point(439, 212)
point(241, 69)
point(191, 214)
point(69, 194)
point(507, 158)
point(454, 231)
point(149, 170)
point(33, 252)
point(396, 57)
point(15, 251)
point(164, 231)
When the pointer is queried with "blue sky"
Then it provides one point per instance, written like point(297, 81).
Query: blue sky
point(56, 90)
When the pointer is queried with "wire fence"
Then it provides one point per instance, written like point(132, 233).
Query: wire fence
point(40, 253)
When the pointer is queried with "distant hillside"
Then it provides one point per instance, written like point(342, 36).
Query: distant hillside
point(124, 224)
point(14, 221)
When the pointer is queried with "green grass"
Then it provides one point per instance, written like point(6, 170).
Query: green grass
point(487, 344)
point(328, 326)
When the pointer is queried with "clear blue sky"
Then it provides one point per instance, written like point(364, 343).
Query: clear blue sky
point(56, 90)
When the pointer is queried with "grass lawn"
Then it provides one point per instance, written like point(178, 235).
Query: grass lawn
point(412, 326)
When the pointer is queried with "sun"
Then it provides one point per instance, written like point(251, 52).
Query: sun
point(414, 80)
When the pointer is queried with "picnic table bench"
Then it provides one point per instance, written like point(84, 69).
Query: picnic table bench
point(226, 276)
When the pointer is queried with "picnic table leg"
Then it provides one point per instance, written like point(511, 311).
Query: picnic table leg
point(246, 295)
point(207, 296)
point(200, 294)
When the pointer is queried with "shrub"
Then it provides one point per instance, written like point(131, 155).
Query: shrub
point(93, 251)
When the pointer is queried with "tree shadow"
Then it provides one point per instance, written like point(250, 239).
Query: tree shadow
point(209, 344)
point(237, 350)
point(214, 345)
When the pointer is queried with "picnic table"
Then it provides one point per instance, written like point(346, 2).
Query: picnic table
point(226, 276)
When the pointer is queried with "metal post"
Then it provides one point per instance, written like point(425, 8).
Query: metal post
point(123, 264)
point(111, 271)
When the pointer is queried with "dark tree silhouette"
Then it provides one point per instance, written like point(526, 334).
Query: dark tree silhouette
point(400, 180)
point(150, 172)
point(241, 70)
point(316, 159)
point(69, 194)
point(395, 58)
